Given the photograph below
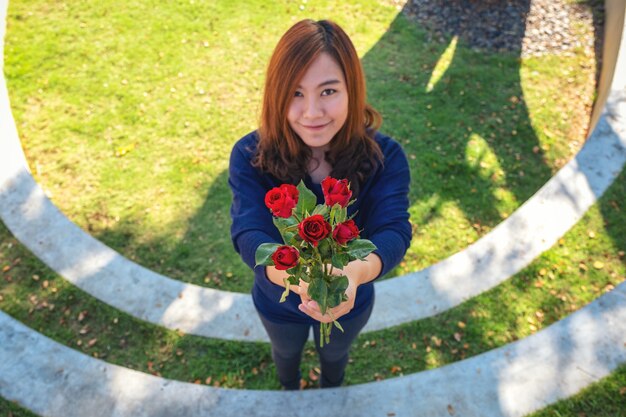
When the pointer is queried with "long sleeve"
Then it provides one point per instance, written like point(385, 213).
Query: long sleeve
point(384, 209)
point(251, 221)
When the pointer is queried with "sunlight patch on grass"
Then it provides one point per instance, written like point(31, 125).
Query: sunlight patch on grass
point(442, 65)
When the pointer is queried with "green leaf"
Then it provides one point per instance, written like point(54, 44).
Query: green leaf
point(282, 223)
point(263, 254)
point(287, 228)
point(325, 250)
point(339, 260)
point(306, 200)
point(294, 279)
point(337, 289)
point(285, 293)
point(337, 325)
point(318, 291)
point(360, 248)
point(321, 209)
point(338, 214)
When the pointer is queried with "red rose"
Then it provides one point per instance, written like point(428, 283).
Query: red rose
point(314, 228)
point(281, 200)
point(336, 191)
point(345, 232)
point(285, 257)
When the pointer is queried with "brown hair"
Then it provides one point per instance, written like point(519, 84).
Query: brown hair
point(280, 151)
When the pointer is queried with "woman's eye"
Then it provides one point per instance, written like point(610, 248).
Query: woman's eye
point(297, 94)
point(328, 92)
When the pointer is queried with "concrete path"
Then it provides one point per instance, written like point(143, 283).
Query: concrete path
point(129, 287)
point(557, 362)
point(53, 380)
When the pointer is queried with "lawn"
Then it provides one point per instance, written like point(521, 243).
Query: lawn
point(127, 117)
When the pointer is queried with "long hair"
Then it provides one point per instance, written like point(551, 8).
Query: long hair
point(353, 152)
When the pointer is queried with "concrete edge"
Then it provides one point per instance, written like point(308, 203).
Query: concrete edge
point(115, 280)
point(53, 380)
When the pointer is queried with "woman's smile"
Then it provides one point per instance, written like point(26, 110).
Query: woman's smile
point(319, 106)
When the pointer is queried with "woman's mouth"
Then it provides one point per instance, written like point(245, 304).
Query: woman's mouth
point(316, 127)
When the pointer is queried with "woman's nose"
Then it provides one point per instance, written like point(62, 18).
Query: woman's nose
point(313, 108)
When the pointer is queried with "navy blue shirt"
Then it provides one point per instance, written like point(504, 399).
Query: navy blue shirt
point(382, 215)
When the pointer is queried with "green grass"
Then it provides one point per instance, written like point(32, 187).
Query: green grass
point(128, 120)
point(559, 282)
point(127, 116)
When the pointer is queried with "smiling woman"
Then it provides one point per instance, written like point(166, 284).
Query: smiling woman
point(46, 100)
point(316, 124)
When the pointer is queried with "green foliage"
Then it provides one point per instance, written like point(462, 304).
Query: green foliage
point(360, 248)
point(103, 95)
point(306, 202)
point(264, 252)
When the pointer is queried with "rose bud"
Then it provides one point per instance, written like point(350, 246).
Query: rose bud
point(281, 200)
point(336, 191)
point(345, 232)
point(314, 228)
point(285, 257)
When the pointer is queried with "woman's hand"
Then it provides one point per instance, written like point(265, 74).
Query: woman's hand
point(358, 272)
point(312, 309)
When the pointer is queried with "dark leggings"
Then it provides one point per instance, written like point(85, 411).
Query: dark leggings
point(288, 341)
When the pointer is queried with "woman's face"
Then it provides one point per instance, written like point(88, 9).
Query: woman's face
point(319, 107)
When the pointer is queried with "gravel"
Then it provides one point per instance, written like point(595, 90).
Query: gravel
point(527, 27)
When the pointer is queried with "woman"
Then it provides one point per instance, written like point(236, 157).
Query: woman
point(315, 123)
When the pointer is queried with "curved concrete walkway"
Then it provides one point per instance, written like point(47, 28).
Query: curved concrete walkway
point(56, 381)
point(129, 287)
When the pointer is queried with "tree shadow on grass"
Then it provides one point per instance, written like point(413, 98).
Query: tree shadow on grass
point(452, 127)
point(452, 123)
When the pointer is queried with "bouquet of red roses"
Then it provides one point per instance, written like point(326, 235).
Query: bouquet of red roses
point(317, 238)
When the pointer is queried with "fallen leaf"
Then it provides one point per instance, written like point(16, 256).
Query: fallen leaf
point(598, 265)
point(312, 375)
point(583, 266)
point(84, 330)
point(82, 315)
point(622, 391)
point(457, 337)
point(543, 271)
point(92, 342)
point(208, 380)
point(395, 369)
point(592, 235)
point(461, 325)
point(450, 409)
point(6, 268)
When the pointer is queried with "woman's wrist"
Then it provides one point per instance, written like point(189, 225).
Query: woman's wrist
point(275, 276)
point(364, 271)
